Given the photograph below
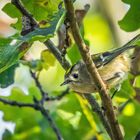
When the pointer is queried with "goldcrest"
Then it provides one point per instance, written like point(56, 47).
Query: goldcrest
point(113, 67)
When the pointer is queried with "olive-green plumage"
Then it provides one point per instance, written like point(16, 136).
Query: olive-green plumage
point(112, 74)
point(113, 67)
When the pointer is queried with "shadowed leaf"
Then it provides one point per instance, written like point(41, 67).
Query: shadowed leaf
point(10, 51)
point(7, 77)
point(137, 136)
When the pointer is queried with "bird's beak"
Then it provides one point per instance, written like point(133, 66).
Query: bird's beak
point(65, 82)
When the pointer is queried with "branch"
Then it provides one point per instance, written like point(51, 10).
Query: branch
point(84, 50)
point(94, 104)
point(64, 63)
point(51, 122)
point(44, 111)
point(18, 104)
point(96, 108)
point(21, 8)
point(49, 44)
point(59, 97)
point(122, 106)
point(38, 107)
point(44, 94)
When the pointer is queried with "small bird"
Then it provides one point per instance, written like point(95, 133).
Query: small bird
point(113, 67)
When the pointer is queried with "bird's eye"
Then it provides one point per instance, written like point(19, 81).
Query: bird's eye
point(75, 75)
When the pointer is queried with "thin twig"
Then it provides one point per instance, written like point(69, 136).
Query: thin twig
point(55, 51)
point(122, 106)
point(84, 50)
point(18, 104)
point(36, 105)
point(90, 99)
point(51, 122)
point(58, 97)
point(38, 83)
point(94, 105)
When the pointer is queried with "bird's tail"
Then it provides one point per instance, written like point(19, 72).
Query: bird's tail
point(131, 44)
point(106, 57)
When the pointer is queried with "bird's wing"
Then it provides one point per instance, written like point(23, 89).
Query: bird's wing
point(101, 59)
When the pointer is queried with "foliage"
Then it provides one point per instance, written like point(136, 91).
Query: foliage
point(14, 47)
point(72, 113)
point(131, 20)
point(7, 77)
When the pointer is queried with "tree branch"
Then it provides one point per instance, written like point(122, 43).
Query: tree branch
point(36, 105)
point(94, 104)
point(64, 63)
point(96, 108)
point(18, 104)
point(43, 94)
point(21, 8)
point(84, 50)
point(54, 50)
point(58, 97)
point(51, 122)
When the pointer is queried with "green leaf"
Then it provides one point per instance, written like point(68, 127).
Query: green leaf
point(22, 116)
point(73, 119)
point(17, 95)
point(7, 77)
point(47, 7)
point(47, 59)
point(137, 136)
point(131, 20)
point(10, 51)
point(74, 54)
point(45, 33)
point(35, 92)
point(126, 91)
point(126, 122)
point(33, 64)
point(55, 21)
point(13, 12)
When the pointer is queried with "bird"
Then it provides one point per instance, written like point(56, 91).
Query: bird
point(113, 67)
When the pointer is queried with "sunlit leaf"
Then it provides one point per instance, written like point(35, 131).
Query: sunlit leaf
point(45, 33)
point(34, 92)
point(73, 119)
point(137, 81)
point(74, 54)
point(47, 59)
point(131, 20)
point(126, 121)
point(47, 7)
point(129, 110)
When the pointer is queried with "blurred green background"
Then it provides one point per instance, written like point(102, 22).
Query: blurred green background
point(74, 119)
